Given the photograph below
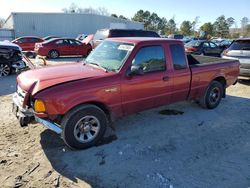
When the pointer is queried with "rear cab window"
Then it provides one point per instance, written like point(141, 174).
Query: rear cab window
point(178, 57)
point(151, 58)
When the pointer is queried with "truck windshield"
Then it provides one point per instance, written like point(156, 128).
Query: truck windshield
point(110, 55)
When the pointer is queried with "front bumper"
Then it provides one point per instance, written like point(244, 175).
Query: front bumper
point(17, 108)
point(26, 116)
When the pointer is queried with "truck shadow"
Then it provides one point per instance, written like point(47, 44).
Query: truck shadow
point(194, 136)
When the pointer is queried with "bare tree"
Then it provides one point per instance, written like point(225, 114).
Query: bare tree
point(244, 22)
point(103, 11)
point(74, 8)
point(195, 23)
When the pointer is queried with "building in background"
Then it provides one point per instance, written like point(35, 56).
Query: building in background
point(62, 24)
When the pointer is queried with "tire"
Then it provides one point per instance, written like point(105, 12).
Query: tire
point(5, 69)
point(84, 126)
point(53, 54)
point(213, 95)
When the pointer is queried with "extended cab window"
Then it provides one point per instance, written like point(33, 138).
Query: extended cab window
point(151, 58)
point(178, 56)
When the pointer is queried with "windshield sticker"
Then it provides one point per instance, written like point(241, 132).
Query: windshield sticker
point(125, 47)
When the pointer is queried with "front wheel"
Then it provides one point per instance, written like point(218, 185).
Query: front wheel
point(213, 95)
point(84, 126)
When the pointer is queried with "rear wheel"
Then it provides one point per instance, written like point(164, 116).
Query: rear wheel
point(213, 95)
point(5, 69)
point(84, 126)
point(53, 54)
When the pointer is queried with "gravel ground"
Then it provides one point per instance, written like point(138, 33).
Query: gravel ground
point(175, 146)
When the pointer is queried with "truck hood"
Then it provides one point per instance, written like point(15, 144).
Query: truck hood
point(36, 80)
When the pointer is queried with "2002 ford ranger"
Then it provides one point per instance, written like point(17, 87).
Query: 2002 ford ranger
point(121, 76)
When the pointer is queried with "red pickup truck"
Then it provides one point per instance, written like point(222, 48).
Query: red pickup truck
point(121, 76)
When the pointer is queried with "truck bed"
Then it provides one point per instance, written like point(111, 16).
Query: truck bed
point(198, 60)
point(205, 68)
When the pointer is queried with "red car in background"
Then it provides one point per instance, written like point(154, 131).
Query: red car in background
point(27, 43)
point(62, 47)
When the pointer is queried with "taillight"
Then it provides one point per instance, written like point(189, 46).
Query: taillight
point(191, 49)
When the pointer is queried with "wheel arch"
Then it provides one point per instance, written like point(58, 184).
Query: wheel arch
point(223, 81)
point(98, 104)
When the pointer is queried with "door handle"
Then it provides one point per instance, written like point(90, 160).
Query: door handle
point(165, 78)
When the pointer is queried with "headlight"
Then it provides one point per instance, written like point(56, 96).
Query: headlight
point(39, 106)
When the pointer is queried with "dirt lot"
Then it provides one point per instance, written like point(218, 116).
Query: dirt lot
point(186, 146)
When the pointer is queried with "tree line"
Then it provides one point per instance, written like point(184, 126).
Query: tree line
point(219, 28)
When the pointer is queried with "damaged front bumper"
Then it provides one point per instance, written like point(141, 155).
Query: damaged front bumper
point(26, 116)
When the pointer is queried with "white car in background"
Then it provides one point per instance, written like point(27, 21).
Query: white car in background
point(240, 50)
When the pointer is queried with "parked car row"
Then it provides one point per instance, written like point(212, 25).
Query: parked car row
point(55, 46)
point(203, 47)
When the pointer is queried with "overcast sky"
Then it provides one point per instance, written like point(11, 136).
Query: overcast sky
point(180, 9)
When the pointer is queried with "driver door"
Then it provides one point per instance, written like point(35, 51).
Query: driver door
point(151, 88)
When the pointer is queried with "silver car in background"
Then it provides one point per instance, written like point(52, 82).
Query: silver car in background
point(240, 49)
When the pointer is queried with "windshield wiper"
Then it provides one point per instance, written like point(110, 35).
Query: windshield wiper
point(96, 64)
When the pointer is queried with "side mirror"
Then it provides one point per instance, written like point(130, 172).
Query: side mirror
point(135, 70)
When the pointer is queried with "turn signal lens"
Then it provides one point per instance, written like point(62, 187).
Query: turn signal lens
point(39, 106)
